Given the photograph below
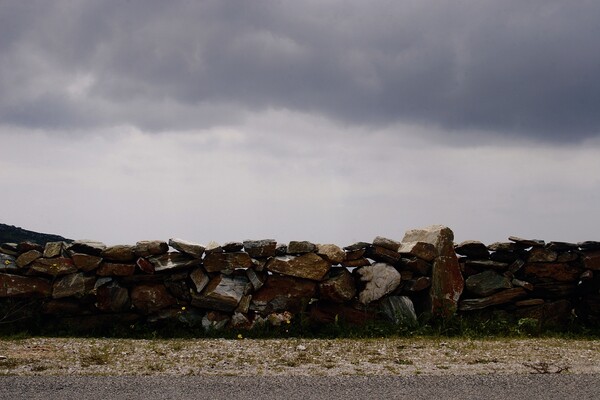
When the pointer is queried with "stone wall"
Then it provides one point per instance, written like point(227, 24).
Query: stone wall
point(258, 282)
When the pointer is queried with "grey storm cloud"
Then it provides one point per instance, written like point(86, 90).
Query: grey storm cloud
point(528, 68)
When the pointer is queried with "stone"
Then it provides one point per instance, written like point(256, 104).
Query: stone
point(386, 243)
point(8, 264)
point(331, 253)
point(145, 266)
point(222, 293)
point(119, 253)
point(541, 254)
point(487, 283)
point(527, 242)
point(194, 250)
point(537, 272)
point(90, 247)
point(27, 258)
point(360, 262)
point(179, 289)
point(85, 262)
point(21, 286)
point(174, 261)
point(399, 310)
point(406, 275)
point(261, 248)
point(568, 256)
point(554, 290)
point(354, 254)
point(215, 321)
point(147, 248)
point(73, 285)
point(504, 246)
point(112, 298)
point(472, 249)
point(381, 254)
point(213, 247)
point(308, 266)
point(586, 275)
point(508, 256)
point(199, 279)
point(149, 298)
point(447, 283)
point(589, 245)
point(549, 314)
point(301, 247)
point(357, 246)
point(524, 284)
point(424, 251)
point(53, 249)
point(591, 260)
point(27, 246)
point(562, 246)
point(52, 266)
point(216, 262)
point(244, 304)
point(115, 269)
point(240, 321)
point(259, 265)
point(416, 266)
point(280, 293)
point(486, 264)
point(503, 297)
point(339, 287)
point(281, 249)
point(516, 266)
point(324, 312)
point(417, 285)
point(63, 307)
point(233, 247)
point(256, 279)
point(529, 302)
point(10, 249)
point(380, 278)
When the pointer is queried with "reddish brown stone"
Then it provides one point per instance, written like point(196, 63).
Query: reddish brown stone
point(145, 265)
point(529, 302)
point(112, 298)
point(215, 262)
point(541, 254)
point(417, 266)
point(307, 266)
point(591, 260)
point(52, 266)
point(324, 312)
point(301, 247)
point(21, 286)
point(76, 285)
point(505, 296)
point(280, 293)
point(199, 279)
point(447, 283)
point(357, 263)
point(113, 269)
point(260, 248)
point(339, 288)
point(381, 254)
point(555, 271)
point(86, 262)
point(331, 253)
point(28, 246)
point(416, 285)
point(424, 251)
point(149, 298)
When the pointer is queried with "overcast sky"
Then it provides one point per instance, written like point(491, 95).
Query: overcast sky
point(330, 121)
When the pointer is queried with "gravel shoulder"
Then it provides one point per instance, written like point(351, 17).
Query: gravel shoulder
point(297, 357)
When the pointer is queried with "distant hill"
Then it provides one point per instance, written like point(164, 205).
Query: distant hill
point(14, 234)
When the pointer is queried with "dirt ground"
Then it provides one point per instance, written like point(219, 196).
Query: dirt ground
point(312, 357)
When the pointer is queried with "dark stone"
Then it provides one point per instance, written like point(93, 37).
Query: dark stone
point(73, 285)
point(527, 242)
point(52, 266)
point(222, 293)
point(339, 287)
point(90, 247)
point(281, 249)
point(114, 269)
point(529, 303)
point(562, 246)
point(199, 279)
point(233, 247)
point(417, 285)
point(261, 248)
point(257, 279)
point(308, 266)
point(283, 293)
point(147, 248)
point(591, 260)
point(487, 283)
point(537, 272)
point(8, 264)
point(27, 258)
point(179, 289)
point(524, 284)
point(399, 310)
point(174, 261)
point(505, 296)
point(554, 290)
point(112, 298)
point(145, 265)
point(486, 264)
point(324, 312)
point(541, 254)
point(21, 286)
point(507, 256)
point(549, 314)
point(28, 246)
point(64, 307)
point(194, 250)
point(417, 266)
point(10, 249)
point(472, 249)
point(386, 243)
point(355, 254)
point(422, 250)
point(301, 247)
point(85, 262)
point(357, 246)
point(381, 254)
point(568, 256)
point(213, 247)
point(149, 298)
point(360, 262)
point(507, 247)
point(215, 262)
point(589, 245)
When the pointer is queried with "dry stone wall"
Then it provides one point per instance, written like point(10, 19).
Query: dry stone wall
point(242, 285)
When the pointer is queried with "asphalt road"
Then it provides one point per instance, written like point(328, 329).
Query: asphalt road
point(534, 386)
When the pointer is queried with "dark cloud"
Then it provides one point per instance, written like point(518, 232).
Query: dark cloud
point(526, 68)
